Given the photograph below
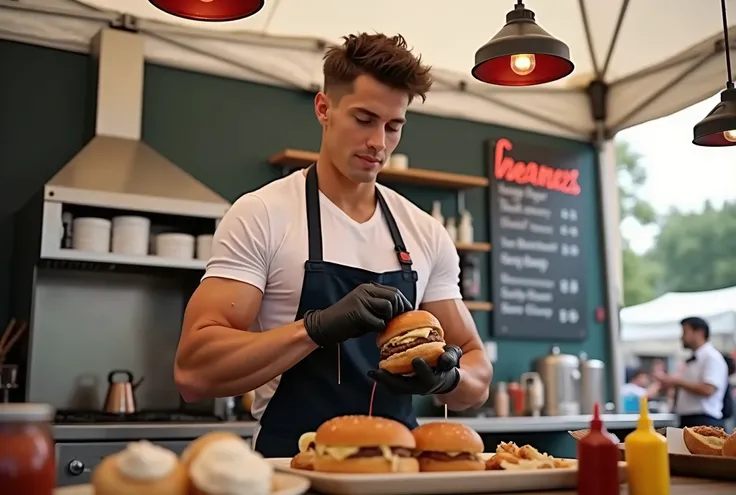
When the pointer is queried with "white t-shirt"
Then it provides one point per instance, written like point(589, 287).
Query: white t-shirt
point(262, 241)
point(709, 367)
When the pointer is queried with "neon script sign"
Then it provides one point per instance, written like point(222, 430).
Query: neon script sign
point(505, 167)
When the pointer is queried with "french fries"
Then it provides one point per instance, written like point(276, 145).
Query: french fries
point(510, 457)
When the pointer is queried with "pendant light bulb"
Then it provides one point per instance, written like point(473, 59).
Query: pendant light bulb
point(523, 64)
point(730, 136)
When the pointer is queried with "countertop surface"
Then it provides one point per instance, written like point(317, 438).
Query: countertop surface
point(188, 431)
point(678, 486)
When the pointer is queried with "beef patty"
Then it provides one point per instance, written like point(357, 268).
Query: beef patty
point(391, 349)
point(442, 456)
point(377, 452)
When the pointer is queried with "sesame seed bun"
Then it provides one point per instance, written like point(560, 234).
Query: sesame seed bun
point(704, 440)
point(363, 431)
point(729, 446)
point(444, 437)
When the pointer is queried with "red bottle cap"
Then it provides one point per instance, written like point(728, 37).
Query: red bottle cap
point(596, 424)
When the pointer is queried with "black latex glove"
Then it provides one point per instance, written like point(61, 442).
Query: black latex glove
point(367, 308)
point(425, 380)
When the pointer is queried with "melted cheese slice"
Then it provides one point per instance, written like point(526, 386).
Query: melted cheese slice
point(410, 336)
point(305, 440)
point(341, 453)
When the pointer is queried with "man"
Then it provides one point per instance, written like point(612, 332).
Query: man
point(306, 270)
point(701, 387)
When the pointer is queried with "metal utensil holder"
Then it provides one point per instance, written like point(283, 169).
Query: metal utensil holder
point(8, 380)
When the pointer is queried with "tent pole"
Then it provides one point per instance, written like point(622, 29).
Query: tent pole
point(612, 255)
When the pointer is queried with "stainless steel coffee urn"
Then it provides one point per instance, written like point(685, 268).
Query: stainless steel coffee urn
point(561, 377)
point(592, 383)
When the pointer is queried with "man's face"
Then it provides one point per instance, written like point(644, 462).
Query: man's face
point(362, 127)
point(689, 337)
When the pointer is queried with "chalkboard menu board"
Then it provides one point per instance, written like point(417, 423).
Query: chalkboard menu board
point(538, 265)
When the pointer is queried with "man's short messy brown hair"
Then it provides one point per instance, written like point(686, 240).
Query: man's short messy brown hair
point(386, 59)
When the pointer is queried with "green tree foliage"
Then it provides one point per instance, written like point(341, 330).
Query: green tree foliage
point(697, 251)
point(640, 272)
point(631, 177)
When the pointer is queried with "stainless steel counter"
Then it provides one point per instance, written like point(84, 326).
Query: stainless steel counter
point(188, 431)
point(558, 423)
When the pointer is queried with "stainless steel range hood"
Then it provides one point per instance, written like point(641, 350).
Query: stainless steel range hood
point(116, 168)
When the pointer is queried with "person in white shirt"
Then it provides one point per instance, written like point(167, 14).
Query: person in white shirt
point(701, 387)
point(308, 269)
point(639, 385)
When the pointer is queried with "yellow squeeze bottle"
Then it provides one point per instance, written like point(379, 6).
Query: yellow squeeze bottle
point(647, 460)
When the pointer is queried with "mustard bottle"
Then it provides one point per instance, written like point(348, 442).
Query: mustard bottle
point(647, 460)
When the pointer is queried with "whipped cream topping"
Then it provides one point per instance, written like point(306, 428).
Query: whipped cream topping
point(144, 461)
point(230, 467)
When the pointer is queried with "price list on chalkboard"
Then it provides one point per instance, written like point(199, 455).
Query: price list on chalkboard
point(538, 270)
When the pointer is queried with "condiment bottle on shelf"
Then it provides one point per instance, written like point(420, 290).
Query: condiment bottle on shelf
point(597, 460)
point(647, 460)
point(516, 393)
point(465, 230)
point(451, 228)
point(501, 401)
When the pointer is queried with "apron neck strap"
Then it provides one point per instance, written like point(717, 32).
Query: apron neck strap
point(314, 223)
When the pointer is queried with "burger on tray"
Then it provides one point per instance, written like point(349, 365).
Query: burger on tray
point(364, 444)
point(414, 334)
point(445, 446)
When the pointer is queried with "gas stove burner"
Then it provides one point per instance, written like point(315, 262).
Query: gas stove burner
point(82, 417)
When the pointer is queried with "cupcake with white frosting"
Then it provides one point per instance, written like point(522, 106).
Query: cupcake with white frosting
point(230, 467)
point(196, 446)
point(141, 469)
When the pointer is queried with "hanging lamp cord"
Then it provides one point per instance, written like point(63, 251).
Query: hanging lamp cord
point(729, 84)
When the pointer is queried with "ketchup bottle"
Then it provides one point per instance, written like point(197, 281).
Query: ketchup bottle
point(598, 457)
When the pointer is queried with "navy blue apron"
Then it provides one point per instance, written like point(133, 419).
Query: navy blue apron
point(308, 393)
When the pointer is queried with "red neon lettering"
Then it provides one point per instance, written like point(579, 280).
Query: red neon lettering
point(507, 168)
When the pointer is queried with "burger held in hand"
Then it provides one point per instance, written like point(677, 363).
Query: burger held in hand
point(411, 335)
point(445, 446)
point(364, 444)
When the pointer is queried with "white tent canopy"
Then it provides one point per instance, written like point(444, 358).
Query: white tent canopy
point(660, 318)
point(666, 55)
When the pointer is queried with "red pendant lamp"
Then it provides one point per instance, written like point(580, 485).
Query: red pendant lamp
point(209, 10)
point(522, 53)
point(718, 128)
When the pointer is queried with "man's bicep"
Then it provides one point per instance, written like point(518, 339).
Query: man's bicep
point(715, 373)
point(457, 323)
point(222, 302)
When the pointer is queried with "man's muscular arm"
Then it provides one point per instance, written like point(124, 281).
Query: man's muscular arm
point(218, 356)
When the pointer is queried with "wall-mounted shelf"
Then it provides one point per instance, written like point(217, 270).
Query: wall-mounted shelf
point(479, 305)
point(299, 159)
point(122, 259)
point(473, 247)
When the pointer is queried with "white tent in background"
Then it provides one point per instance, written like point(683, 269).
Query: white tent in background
point(635, 61)
point(655, 57)
point(660, 318)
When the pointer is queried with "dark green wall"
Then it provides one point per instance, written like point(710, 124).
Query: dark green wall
point(222, 132)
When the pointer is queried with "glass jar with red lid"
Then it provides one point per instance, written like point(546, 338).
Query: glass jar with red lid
point(27, 461)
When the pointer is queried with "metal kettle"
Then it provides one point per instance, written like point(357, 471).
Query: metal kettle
point(120, 397)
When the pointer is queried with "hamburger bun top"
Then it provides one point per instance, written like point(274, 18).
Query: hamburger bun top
point(442, 436)
point(363, 431)
point(405, 322)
